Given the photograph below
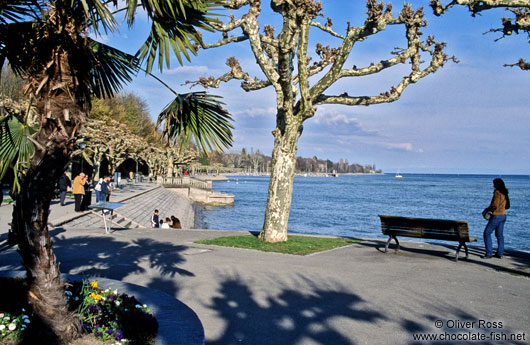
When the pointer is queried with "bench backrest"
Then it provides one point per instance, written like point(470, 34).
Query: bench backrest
point(441, 229)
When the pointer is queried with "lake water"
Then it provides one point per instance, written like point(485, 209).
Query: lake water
point(349, 205)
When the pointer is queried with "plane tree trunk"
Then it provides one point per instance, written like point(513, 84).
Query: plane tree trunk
point(281, 183)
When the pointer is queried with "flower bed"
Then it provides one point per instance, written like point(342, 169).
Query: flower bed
point(110, 316)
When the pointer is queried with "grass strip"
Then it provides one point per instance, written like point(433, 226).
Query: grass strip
point(297, 245)
point(7, 201)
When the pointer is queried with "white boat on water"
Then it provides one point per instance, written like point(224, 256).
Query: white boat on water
point(398, 175)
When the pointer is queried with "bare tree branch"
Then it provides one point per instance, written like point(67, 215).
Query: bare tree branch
point(236, 72)
point(438, 60)
point(476, 6)
point(522, 64)
point(303, 73)
point(377, 21)
point(520, 8)
point(224, 41)
point(328, 29)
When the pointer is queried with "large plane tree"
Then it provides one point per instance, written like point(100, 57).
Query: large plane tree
point(51, 45)
point(302, 80)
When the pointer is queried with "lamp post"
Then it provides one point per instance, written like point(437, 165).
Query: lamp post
point(82, 147)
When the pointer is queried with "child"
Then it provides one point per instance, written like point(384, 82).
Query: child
point(164, 225)
point(154, 220)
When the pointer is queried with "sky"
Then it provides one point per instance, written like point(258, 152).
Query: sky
point(468, 117)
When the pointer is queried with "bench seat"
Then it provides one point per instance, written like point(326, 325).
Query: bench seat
point(435, 229)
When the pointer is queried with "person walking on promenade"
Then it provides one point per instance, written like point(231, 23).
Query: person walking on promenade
point(499, 204)
point(87, 197)
point(79, 190)
point(97, 188)
point(105, 189)
point(154, 220)
point(64, 184)
point(110, 187)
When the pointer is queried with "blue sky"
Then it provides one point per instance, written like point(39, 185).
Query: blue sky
point(470, 117)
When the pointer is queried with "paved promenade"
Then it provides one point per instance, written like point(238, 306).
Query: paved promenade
point(351, 295)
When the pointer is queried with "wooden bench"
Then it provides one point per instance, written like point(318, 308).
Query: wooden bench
point(435, 229)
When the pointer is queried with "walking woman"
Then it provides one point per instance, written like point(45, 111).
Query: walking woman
point(499, 204)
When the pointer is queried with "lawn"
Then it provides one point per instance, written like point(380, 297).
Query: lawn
point(298, 245)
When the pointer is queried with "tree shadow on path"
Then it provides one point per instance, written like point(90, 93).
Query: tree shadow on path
point(290, 317)
point(110, 257)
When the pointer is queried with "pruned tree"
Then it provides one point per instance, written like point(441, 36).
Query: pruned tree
point(518, 23)
point(301, 86)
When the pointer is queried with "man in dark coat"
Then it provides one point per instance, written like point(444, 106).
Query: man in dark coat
point(64, 183)
point(105, 188)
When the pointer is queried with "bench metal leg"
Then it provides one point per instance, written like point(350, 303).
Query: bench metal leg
point(460, 245)
point(390, 237)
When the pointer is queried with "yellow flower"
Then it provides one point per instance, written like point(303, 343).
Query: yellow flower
point(95, 296)
point(94, 284)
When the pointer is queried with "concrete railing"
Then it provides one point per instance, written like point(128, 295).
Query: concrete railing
point(184, 182)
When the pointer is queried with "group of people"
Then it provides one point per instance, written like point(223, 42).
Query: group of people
point(169, 223)
point(103, 189)
point(81, 190)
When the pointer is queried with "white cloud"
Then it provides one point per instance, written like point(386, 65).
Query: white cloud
point(408, 147)
point(255, 112)
point(337, 123)
point(187, 70)
point(332, 118)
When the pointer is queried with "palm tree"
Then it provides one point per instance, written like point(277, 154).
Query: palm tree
point(47, 43)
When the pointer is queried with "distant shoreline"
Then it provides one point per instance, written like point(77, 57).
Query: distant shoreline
point(220, 176)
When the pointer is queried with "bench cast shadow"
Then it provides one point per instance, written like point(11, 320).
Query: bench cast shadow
point(521, 259)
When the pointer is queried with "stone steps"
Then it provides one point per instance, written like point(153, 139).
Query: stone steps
point(137, 211)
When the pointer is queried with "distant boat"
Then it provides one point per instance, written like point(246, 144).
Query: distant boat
point(398, 175)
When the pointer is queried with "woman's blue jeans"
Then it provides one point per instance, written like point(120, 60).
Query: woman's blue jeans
point(495, 223)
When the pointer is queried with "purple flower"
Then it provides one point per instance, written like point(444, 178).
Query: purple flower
point(118, 335)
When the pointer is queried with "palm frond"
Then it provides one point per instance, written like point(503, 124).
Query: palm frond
point(12, 11)
point(174, 25)
point(17, 45)
point(99, 14)
point(200, 116)
point(16, 148)
point(112, 69)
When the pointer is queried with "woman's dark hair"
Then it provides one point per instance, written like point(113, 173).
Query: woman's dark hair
point(499, 185)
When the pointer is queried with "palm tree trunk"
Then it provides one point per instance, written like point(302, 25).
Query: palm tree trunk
point(46, 289)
